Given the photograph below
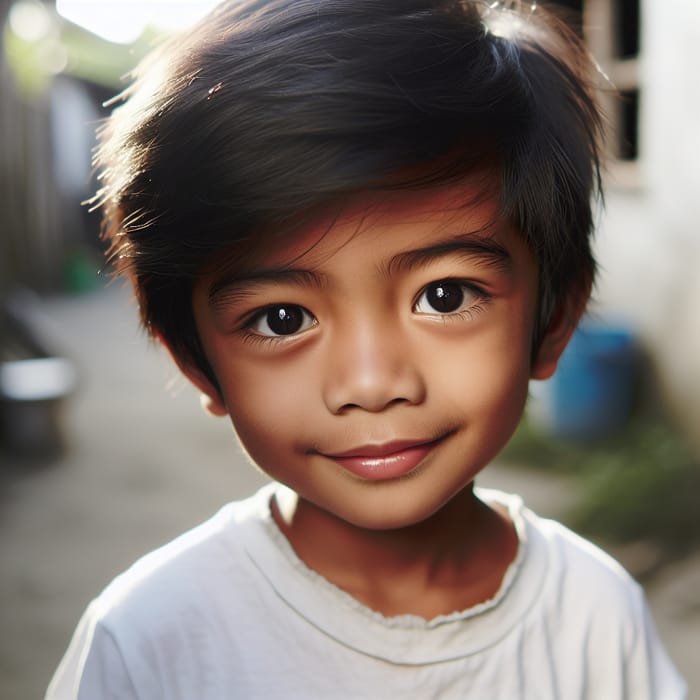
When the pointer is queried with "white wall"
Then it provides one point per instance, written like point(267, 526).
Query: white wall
point(649, 238)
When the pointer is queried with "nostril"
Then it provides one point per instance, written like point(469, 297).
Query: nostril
point(372, 407)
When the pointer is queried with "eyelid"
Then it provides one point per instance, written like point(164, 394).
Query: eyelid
point(241, 287)
point(477, 289)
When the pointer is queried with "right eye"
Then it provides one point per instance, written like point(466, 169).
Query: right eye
point(282, 319)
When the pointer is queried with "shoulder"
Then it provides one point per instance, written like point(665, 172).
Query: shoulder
point(584, 578)
point(572, 589)
point(585, 623)
point(155, 625)
point(579, 586)
point(198, 560)
point(598, 616)
point(565, 560)
point(573, 555)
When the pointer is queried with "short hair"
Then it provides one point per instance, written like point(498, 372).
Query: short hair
point(269, 108)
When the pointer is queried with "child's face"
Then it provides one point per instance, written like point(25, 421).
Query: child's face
point(376, 366)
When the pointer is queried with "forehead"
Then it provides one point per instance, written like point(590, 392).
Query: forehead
point(380, 219)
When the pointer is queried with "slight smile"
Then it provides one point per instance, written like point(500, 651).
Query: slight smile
point(386, 461)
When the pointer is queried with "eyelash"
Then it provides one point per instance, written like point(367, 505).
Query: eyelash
point(252, 319)
point(480, 300)
point(253, 338)
point(467, 314)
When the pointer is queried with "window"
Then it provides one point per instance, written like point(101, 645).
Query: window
point(612, 29)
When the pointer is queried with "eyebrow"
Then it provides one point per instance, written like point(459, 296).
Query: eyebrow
point(237, 286)
point(472, 245)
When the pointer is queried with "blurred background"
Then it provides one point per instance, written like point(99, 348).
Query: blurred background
point(105, 452)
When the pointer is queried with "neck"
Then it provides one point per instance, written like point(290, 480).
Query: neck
point(453, 560)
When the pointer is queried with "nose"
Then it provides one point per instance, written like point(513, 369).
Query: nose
point(370, 366)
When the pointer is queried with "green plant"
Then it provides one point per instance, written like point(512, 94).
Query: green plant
point(642, 484)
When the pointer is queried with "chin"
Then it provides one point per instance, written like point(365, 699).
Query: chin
point(400, 512)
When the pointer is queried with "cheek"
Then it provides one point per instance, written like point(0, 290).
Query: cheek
point(487, 390)
point(268, 407)
point(487, 379)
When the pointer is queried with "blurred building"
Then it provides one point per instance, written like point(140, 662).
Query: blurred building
point(649, 238)
point(28, 231)
point(54, 78)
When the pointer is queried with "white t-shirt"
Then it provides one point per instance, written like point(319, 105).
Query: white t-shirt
point(229, 611)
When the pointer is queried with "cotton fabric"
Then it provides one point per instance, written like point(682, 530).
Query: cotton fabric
point(229, 611)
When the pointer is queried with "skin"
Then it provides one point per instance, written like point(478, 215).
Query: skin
point(374, 362)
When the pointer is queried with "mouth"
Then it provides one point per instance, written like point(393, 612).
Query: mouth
point(388, 460)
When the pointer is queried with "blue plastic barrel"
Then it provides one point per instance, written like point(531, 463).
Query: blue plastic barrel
point(593, 389)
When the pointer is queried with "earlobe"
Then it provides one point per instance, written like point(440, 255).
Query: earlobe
point(213, 405)
point(557, 336)
point(210, 397)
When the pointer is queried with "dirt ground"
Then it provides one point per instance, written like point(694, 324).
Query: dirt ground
point(142, 464)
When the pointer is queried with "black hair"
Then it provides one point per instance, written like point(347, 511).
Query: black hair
point(271, 108)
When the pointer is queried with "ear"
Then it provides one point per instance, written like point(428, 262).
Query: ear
point(557, 335)
point(210, 397)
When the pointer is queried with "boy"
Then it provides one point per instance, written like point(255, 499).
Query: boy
point(360, 228)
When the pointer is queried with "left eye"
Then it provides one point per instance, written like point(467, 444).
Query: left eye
point(445, 297)
point(283, 319)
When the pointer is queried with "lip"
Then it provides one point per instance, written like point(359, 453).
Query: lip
point(388, 460)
